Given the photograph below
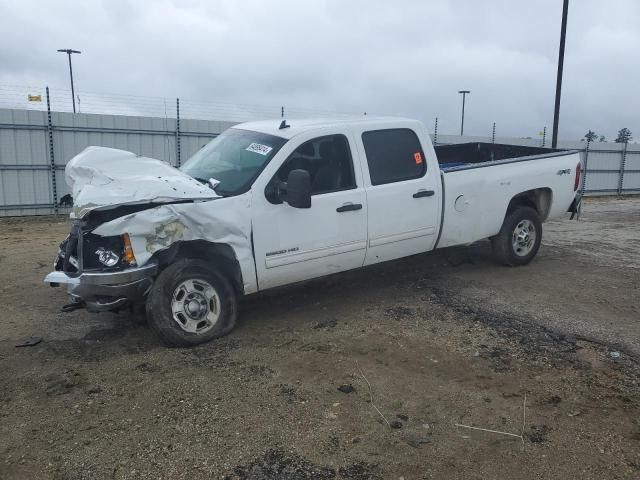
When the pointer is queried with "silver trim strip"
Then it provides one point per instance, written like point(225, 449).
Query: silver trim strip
point(398, 237)
point(104, 278)
point(471, 166)
point(296, 257)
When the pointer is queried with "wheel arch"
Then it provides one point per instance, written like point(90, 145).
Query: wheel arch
point(540, 199)
point(221, 255)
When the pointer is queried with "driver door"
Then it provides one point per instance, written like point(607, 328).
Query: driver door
point(295, 244)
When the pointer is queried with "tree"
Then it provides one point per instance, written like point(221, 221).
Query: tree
point(602, 138)
point(591, 136)
point(624, 136)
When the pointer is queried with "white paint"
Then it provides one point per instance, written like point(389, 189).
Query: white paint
point(225, 221)
point(327, 241)
point(101, 177)
point(291, 244)
point(399, 225)
point(488, 190)
point(461, 204)
point(400, 237)
point(288, 258)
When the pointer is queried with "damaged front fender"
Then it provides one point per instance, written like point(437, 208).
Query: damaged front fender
point(223, 221)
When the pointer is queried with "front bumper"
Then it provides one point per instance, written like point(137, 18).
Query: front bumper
point(103, 291)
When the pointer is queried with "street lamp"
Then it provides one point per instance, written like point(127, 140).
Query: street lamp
point(556, 110)
point(68, 51)
point(464, 96)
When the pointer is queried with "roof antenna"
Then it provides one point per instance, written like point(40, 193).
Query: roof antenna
point(283, 125)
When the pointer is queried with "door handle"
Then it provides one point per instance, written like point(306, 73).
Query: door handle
point(424, 193)
point(347, 207)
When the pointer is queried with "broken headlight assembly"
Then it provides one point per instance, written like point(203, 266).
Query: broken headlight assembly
point(107, 257)
point(110, 252)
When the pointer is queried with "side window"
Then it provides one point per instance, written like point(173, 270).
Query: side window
point(393, 155)
point(328, 161)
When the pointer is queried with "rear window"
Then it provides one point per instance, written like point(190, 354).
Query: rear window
point(393, 155)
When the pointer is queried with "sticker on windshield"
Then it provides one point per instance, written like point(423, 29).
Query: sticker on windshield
point(259, 148)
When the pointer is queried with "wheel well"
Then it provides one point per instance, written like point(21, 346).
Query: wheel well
point(539, 199)
point(220, 254)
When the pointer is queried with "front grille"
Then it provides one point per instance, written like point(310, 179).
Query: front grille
point(78, 251)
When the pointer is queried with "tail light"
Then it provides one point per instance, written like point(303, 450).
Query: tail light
point(576, 182)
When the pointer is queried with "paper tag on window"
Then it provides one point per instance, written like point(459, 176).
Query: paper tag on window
point(259, 148)
point(418, 158)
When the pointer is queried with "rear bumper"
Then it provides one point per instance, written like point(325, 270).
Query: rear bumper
point(104, 291)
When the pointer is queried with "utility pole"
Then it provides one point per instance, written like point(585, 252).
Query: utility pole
point(464, 96)
point(556, 111)
point(68, 51)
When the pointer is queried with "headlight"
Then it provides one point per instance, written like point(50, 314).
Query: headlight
point(107, 257)
point(110, 252)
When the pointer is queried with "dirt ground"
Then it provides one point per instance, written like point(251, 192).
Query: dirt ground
point(362, 375)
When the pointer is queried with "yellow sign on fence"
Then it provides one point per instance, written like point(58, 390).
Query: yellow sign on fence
point(35, 98)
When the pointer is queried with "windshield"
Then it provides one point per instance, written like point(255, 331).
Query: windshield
point(235, 158)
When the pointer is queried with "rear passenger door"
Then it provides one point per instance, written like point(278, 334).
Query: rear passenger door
point(402, 194)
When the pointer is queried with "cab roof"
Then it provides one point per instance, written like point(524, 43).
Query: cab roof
point(301, 125)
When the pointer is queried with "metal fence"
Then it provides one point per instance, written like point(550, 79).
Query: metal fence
point(35, 146)
point(610, 168)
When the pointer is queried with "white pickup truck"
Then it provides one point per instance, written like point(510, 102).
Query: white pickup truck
point(268, 203)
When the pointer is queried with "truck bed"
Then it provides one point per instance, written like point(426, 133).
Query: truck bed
point(480, 179)
point(471, 154)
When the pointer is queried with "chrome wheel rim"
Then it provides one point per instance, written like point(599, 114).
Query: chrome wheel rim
point(523, 238)
point(195, 306)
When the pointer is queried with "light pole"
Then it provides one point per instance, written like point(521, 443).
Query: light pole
point(464, 96)
point(556, 110)
point(68, 51)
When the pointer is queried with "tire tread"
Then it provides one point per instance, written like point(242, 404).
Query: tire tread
point(501, 243)
point(162, 323)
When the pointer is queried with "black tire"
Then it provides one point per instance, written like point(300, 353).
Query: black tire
point(518, 221)
point(160, 313)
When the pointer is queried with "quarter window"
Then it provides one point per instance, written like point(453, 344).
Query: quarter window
point(393, 155)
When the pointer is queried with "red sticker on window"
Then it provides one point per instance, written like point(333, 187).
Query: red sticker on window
point(418, 158)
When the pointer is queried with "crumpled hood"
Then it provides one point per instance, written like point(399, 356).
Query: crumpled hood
point(101, 178)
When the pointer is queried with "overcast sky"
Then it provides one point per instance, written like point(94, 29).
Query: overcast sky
point(388, 57)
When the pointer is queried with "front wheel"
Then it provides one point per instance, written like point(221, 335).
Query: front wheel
point(519, 238)
point(190, 304)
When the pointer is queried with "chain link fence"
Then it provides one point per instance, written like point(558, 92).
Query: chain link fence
point(39, 134)
point(60, 100)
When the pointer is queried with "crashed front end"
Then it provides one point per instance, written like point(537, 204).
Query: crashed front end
point(100, 273)
point(97, 265)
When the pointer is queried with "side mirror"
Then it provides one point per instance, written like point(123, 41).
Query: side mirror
point(298, 189)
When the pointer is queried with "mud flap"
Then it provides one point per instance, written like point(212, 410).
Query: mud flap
point(576, 207)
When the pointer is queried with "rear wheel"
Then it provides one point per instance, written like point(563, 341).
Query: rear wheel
point(519, 238)
point(190, 304)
